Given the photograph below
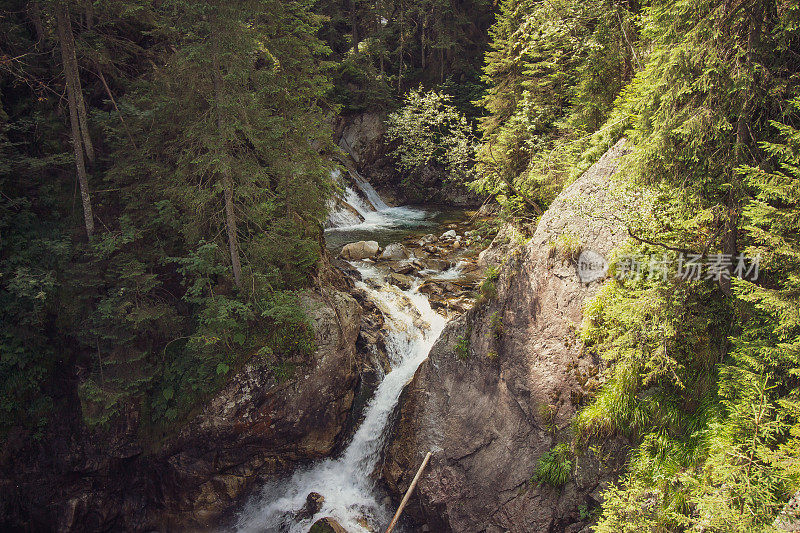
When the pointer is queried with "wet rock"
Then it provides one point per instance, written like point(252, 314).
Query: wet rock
point(404, 268)
point(491, 415)
point(327, 525)
point(359, 250)
point(313, 505)
point(419, 265)
point(448, 235)
point(427, 239)
point(437, 264)
point(395, 251)
point(401, 280)
point(431, 288)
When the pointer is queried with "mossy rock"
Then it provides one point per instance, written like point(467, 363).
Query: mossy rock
point(327, 525)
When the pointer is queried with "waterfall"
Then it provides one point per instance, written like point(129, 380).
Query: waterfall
point(371, 194)
point(346, 481)
point(363, 208)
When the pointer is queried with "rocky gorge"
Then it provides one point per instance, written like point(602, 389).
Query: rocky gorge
point(503, 383)
point(498, 389)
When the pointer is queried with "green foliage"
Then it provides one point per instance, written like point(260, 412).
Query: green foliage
point(496, 325)
point(430, 131)
point(701, 375)
point(462, 347)
point(553, 73)
point(566, 247)
point(147, 313)
point(554, 467)
point(488, 288)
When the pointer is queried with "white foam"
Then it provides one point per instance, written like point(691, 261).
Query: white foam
point(346, 482)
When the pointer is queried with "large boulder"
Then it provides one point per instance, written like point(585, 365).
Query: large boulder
point(395, 252)
point(355, 251)
point(503, 383)
point(327, 525)
point(360, 136)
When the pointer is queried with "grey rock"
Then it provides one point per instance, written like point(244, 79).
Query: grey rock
point(486, 416)
point(401, 280)
point(359, 250)
point(395, 251)
point(789, 518)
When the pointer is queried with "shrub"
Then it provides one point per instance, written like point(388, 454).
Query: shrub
point(496, 325)
point(430, 130)
point(488, 287)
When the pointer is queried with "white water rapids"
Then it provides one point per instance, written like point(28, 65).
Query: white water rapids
point(346, 481)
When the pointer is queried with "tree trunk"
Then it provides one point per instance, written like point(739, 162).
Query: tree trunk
point(35, 16)
point(400, 72)
point(74, 98)
point(227, 183)
point(73, 76)
point(732, 204)
point(354, 23)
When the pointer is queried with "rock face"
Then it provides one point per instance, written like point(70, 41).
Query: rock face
point(503, 383)
point(361, 135)
point(256, 427)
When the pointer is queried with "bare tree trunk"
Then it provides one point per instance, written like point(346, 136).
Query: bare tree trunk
point(227, 184)
point(422, 41)
point(35, 16)
point(89, 13)
point(73, 77)
point(354, 23)
point(73, 92)
point(402, 38)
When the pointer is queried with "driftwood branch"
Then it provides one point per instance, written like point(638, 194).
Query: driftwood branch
point(408, 493)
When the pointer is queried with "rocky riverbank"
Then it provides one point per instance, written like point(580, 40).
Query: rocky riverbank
point(503, 383)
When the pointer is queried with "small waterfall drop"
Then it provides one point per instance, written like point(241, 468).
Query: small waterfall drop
point(346, 482)
point(361, 207)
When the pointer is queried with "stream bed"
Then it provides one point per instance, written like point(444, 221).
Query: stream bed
point(346, 482)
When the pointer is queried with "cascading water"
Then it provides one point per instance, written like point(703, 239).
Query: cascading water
point(368, 203)
point(346, 482)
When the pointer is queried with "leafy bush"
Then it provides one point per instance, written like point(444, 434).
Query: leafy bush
point(430, 130)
